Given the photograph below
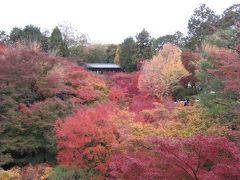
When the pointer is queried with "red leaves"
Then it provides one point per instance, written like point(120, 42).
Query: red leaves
point(125, 87)
point(227, 66)
point(116, 94)
point(127, 81)
point(85, 138)
point(88, 138)
point(189, 60)
point(18, 66)
point(2, 48)
point(23, 108)
point(198, 157)
point(84, 85)
point(39, 171)
point(141, 102)
point(133, 166)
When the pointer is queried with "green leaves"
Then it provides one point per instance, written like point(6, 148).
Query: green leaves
point(202, 23)
point(128, 54)
point(56, 43)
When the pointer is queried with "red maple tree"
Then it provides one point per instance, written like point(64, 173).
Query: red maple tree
point(85, 139)
point(227, 68)
point(199, 157)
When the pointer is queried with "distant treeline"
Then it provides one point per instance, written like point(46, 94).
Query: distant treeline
point(64, 41)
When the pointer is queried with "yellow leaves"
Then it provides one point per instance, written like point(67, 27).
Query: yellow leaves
point(191, 120)
point(29, 172)
point(141, 130)
point(101, 87)
point(58, 69)
point(170, 129)
point(12, 174)
point(129, 128)
point(163, 72)
point(211, 48)
point(216, 129)
point(117, 56)
point(46, 173)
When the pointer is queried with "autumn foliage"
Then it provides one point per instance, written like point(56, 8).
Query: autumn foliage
point(199, 157)
point(35, 90)
point(40, 171)
point(86, 138)
point(159, 76)
point(116, 125)
point(190, 61)
point(227, 68)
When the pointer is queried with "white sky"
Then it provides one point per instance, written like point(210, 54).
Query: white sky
point(106, 21)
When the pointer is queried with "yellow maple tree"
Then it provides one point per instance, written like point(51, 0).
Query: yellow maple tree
point(163, 72)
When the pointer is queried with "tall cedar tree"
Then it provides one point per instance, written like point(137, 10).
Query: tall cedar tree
point(143, 45)
point(128, 55)
point(56, 43)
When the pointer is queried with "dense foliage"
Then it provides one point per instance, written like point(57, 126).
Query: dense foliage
point(199, 157)
point(60, 121)
point(85, 139)
point(162, 74)
point(36, 90)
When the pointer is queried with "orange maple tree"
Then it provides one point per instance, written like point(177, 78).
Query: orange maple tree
point(85, 139)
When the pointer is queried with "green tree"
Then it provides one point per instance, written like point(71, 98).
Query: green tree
point(44, 41)
point(203, 22)
point(214, 72)
point(16, 34)
point(143, 45)
point(96, 53)
point(110, 53)
point(32, 37)
point(177, 39)
point(32, 33)
point(4, 38)
point(57, 45)
point(27, 109)
point(28, 37)
point(227, 38)
point(80, 48)
point(128, 54)
point(33, 132)
point(231, 17)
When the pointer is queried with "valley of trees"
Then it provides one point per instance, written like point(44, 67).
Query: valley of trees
point(173, 114)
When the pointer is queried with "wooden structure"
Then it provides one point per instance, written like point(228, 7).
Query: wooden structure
point(103, 67)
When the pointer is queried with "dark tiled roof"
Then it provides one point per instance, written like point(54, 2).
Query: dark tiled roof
point(103, 65)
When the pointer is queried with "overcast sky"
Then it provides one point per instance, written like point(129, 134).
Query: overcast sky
point(106, 21)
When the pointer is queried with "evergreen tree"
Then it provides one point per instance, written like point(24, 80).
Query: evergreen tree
point(231, 17)
point(32, 33)
point(110, 53)
point(177, 39)
point(144, 45)
point(96, 53)
point(4, 38)
point(30, 37)
point(218, 76)
point(56, 43)
point(203, 22)
point(16, 34)
point(128, 54)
